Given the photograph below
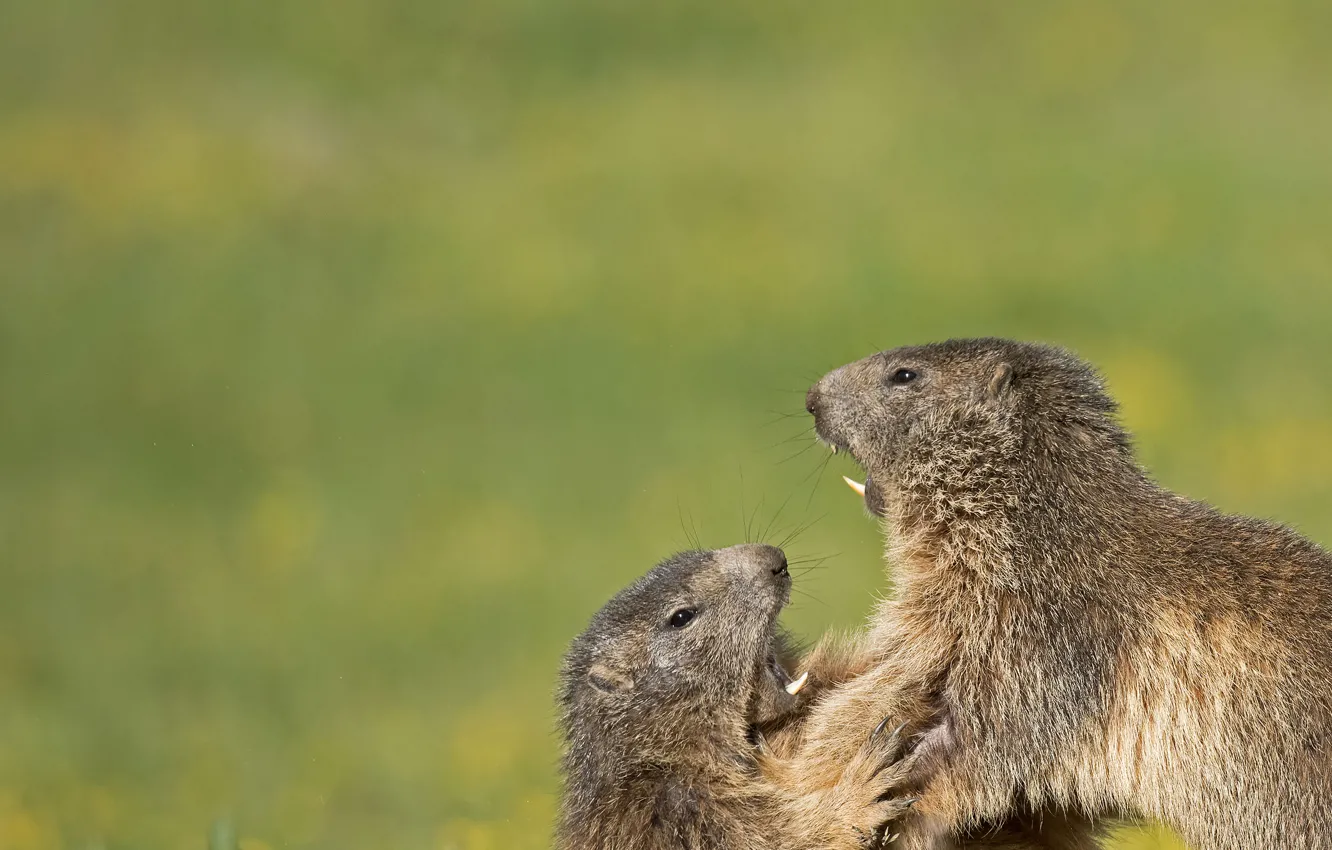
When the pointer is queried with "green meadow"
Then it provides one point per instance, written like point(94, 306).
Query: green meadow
point(352, 354)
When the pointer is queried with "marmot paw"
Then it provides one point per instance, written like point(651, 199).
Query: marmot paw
point(873, 786)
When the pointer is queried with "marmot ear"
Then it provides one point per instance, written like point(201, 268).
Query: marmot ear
point(999, 384)
point(608, 680)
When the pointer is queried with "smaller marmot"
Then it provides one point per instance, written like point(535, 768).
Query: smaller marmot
point(661, 698)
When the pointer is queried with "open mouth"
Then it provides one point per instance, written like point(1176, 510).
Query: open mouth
point(791, 685)
point(869, 493)
point(776, 694)
point(867, 490)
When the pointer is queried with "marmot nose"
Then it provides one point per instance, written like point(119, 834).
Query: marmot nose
point(762, 559)
point(812, 400)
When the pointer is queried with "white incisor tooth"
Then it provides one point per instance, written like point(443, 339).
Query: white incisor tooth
point(855, 485)
point(834, 449)
point(793, 688)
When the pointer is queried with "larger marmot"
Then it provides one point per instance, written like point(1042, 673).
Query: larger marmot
point(1064, 634)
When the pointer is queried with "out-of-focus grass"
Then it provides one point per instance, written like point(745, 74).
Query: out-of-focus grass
point(353, 353)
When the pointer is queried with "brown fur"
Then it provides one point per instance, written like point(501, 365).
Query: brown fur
point(659, 721)
point(839, 659)
point(1064, 635)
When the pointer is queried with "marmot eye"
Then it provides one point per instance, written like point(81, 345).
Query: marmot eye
point(902, 376)
point(681, 618)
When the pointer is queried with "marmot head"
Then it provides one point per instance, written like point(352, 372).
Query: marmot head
point(678, 667)
point(949, 414)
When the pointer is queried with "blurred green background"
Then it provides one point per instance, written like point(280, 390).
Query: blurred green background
point(353, 353)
